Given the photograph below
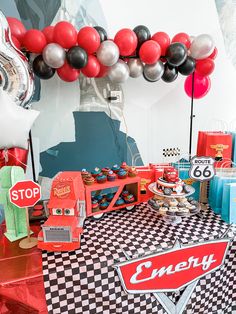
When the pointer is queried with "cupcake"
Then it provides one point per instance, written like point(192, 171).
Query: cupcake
point(163, 210)
point(122, 174)
point(115, 168)
point(101, 178)
point(132, 172)
point(89, 180)
point(124, 166)
point(125, 193)
point(96, 172)
point(104, 205)
point(119, 202)
point(129, 199)
point(173, 202)
point(109, 197)
point(98, 197)
point(95, 206)
point(106, 170)
point(84, 173)
point(182, 212)
point(111, 176)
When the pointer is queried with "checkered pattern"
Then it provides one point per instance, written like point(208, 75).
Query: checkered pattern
point(170, 152)
point(84, 281)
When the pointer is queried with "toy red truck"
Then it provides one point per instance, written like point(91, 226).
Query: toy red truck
point(72, 201)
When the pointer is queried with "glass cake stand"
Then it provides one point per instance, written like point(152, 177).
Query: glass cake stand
point(174, 218)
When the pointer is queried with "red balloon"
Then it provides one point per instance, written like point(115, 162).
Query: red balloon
point(65, 34)
point(205, 67)
point(127, 41)
point(214, 54)
point(16, 42)
point(182, 38)
point(92, 68)
point(202, 86)
point(17, 28)
point(150, 52)
point(67, 73)
point(49, 33)
point(34, 41)
point(163, 40)
point(88, 39)
point(103, 71)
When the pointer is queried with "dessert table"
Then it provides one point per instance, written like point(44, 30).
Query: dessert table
point(84, 281)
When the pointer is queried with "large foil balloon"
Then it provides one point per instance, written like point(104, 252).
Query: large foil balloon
point(54, 55)
point(108, 53)
point(16, 77)
point(15, 122)
point(135, 68)
point(119, 72)
point(202, 46)
point(153, 72)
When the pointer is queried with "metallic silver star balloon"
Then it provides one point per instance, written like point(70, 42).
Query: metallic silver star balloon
point(16, 76)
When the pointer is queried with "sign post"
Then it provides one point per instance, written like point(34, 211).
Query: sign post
point(24, 194)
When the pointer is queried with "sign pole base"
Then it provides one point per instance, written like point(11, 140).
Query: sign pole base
point(28, 243)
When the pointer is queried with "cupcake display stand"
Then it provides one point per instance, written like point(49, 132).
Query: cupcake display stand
point(131, 185)
point(173, 207)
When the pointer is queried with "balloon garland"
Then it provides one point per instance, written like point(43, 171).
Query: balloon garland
point(131, 53)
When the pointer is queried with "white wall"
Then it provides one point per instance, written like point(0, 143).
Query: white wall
point(164, 109)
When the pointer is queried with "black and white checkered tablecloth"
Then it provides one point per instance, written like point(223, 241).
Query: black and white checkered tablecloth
point(84, 281)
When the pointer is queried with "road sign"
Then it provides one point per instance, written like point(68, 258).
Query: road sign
point(25, 193)
point(202, 168)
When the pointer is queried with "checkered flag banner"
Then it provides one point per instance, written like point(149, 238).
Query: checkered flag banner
point(84, 281)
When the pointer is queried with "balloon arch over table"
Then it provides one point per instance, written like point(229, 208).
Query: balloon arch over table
point(133, 53)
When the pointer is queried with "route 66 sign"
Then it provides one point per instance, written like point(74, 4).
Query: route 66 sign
point(202, 168)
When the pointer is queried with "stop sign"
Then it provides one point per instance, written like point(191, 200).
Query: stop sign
point(25, 193)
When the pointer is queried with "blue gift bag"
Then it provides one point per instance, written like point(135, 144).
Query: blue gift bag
point(228, 213)
point(216, 192)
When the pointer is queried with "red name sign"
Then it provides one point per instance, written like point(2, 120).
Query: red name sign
point(173, 269)
point(25, 193)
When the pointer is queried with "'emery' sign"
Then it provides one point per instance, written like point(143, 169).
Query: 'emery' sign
point(172, 270)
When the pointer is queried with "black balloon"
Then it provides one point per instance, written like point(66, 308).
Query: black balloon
point(170, 74)
point(176, 54)
point(187, 67)
point(143, 34)
point(77, 57)
point(102, 33)
point(41, 69)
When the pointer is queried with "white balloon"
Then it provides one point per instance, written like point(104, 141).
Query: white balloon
point(119, 72)
point(15, 123)
point(108, 53)
point(135, 67)
point(202, 47)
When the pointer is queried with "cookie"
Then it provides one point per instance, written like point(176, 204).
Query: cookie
point(165, 205)
point(190, 199)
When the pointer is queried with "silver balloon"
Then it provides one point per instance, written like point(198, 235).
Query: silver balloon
point(54, 55)
point(16, 76)
point(108, 53)
point(202, 47)
point(135, 67)
point(153, 72)
point(119, 72)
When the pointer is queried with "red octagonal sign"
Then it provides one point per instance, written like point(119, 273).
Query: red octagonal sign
point(25, 193)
